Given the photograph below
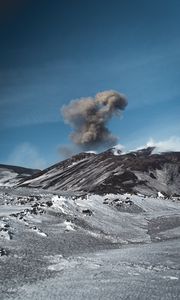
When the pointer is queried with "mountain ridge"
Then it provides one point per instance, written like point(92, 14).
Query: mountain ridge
point(138, 171)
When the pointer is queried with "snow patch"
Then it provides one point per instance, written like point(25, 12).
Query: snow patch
point(69, 225)
point(160, 195)
point(91, 152)
point(38, 231)
point(118, 150)
point(171, 277)
point(59, 202)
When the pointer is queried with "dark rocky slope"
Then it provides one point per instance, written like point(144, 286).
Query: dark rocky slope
point(112, 172)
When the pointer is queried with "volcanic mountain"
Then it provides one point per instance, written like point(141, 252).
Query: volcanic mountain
point(142, 171)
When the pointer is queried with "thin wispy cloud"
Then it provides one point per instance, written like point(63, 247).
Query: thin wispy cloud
point(165, 145)
point(170, 144)
point(26, 155)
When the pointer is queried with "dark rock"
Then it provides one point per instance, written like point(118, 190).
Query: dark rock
point(49, 203)
point(3, 252)
point(152, 176)
point(87, 212)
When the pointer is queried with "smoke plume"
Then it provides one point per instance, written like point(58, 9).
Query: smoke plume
point(89, 118)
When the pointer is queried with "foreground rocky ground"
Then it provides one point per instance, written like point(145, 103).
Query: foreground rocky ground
point(135, 272)
point(74, 246)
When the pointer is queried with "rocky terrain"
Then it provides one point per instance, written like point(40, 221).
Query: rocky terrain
point(95, 226)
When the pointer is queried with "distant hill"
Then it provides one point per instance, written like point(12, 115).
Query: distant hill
point(12, 175)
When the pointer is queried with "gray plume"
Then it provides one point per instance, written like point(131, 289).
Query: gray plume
point(89, 117)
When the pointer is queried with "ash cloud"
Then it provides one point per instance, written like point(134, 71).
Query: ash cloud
point(66, 151)
point(89, 118)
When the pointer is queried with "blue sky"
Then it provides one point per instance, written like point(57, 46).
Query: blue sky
point(55, 51)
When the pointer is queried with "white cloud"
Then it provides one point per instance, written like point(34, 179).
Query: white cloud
point(26, 155)
point(170, 144)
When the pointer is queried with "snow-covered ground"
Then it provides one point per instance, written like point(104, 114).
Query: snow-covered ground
point(138, 273)
point(8, 178)
point(75, 246)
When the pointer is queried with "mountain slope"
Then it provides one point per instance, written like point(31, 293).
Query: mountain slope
point(113, 172)
point(11, 175)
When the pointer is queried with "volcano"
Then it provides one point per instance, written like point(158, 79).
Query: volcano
point(143, 171)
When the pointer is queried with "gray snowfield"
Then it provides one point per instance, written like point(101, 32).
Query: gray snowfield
point(59, 245)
